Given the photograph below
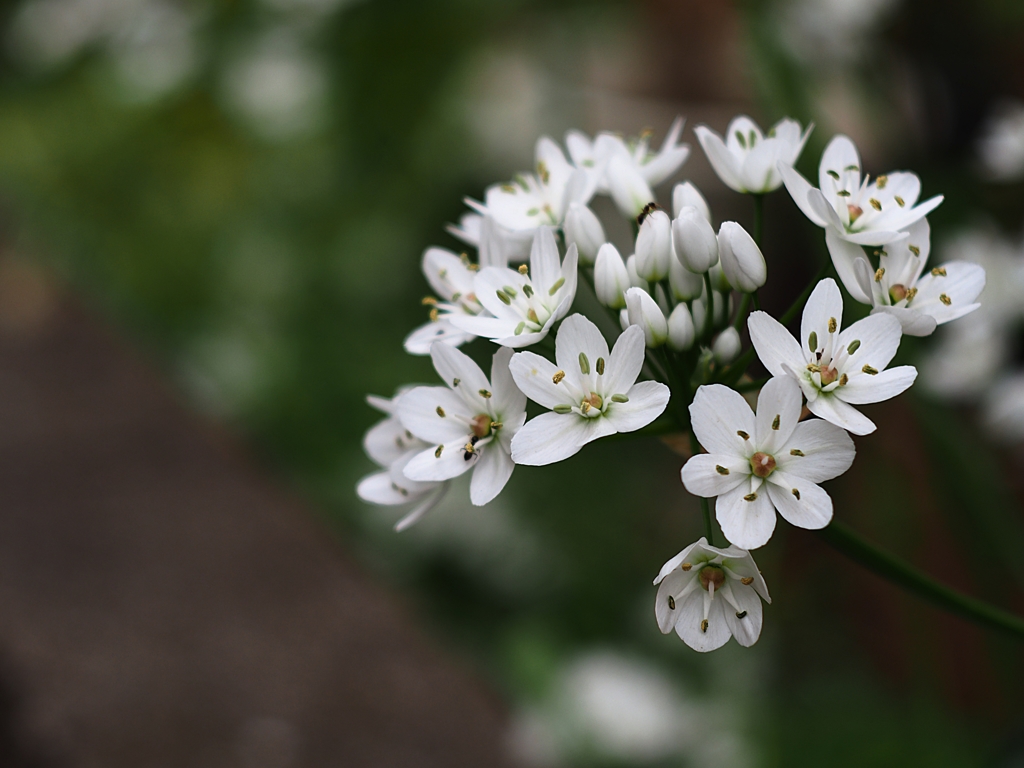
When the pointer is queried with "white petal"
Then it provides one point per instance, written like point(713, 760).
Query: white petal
point(961, 285)
point(824, 304)
point(717, 414)
point(882, 386)
point(813, 510)
point(775, 345)
point(507, 400)
point(446, 273)
point(418, 342)
point(377, 489)
point(386, 441)
point(534, 375)
point(578, 334)
point(798, 188)
point(422, 509)
point(691, 616)
point(747, 524)
point(647, 401)
point(626, 361)
point(554, 437)
point(486, 327)
point(879, 337)
point(834, 410)
point(824, 210)
point(429, 466)
point(778, 410)
point(489, 281)
point(490, 475)
point(844, 255)
point(912, 322)
point(545, 268)
point(451, 365)
point(674, 562)
point(418, 411)
point(875, 236)
point(721, 159)
point(702, 475)
point(746, 630)
point(840, 154)
point(666, 615)
point(827, 451)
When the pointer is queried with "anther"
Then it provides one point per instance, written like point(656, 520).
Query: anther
point(812, 341)
point(911, 294)
point(472, 267)
point(562, 408)
point(433, 315)
point(429, 301)
point(939, 272)
point(881, 181)
point(509, 290)
point(585, 407)
point(721, 470)
point(879, 274)
point(503, 298)
point(796, 452)
point(686, 566)
point(869, 370)
point(496, 425)
point(484, 393)
point(440, 411)
point(743, 141)
point(704, 625)
point(750, 497)
point(523, 269)
point(455, 382)
point(832, 325)
point(554, 288)
point(853, 346)
point(945, 299)
point(671, 603)
point(521, 327)
point(528, 290)
point(741, 614)
point(914, 250)
point(833, 174)
point(742, 434)
point(600, 366)
point(533, 211)
point(559, 375)
point(843, 192)
point(584, 363)
point(620, 399)
point(776, 420)
point(852, 168)
point(437, 453)
point(796, 492)
point(456, 296)
point(899, 201)
point(875, 204)
point(843, 380)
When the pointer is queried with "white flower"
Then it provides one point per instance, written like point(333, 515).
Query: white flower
point(681, 331)
point(524, 304)
point(644, 311)
point(452, 280)
point(835, 369)
point(496, 244)
point(864, 213)
point(627, 170)
point(469, 424)
point(898, 287)
point(391, 446)
point(584, 228)
point(536, 200)
point(1001, 143)
point(611, 278)
point(654, 247)
point(756, 465)
point(686, 194)
point(747, 161)
point(741, 259)
point(696, 244)
point(590, 392)
point(708, 595)
point(726, 347)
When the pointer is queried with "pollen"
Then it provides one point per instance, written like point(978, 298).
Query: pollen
point(796, 452)
point(869, 370)
point(832, 325)
point(747, 581)
point(899, 201)
point(559, 375)
point(875, 204)
point(440, 411)
point(686, 566)
point(742, 434)
point(523, 269)
point(429, 301)
point(671, 603)
point(881, 181)
point(721, 470)
point(750, 497)
point(433, 315)
point(879, 274)
point(939, 272)
point(437, 453)
point(796, 492)
point(496, 425)
point(945, 299)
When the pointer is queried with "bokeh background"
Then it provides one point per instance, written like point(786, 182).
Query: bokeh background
point(211, 218)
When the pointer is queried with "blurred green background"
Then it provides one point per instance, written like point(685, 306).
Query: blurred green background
point(245, 188)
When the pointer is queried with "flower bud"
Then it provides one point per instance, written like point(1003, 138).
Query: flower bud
point(611, 279)
point(742, 261)
point(695, 241)
point(685, 284)
point(686, 194)
point(681, 332)
point(700, 314)
point(634, 279)
point(654, 246)
point(624, 318)
point(727, 346)
point(583, 228)
point(644, 311)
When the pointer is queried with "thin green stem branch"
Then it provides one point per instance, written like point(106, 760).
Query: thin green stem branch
point(798, 304)
point(902, 574)
point(758, 218)
point(741, 313)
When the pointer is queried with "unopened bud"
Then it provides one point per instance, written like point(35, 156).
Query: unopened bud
point(742, 260)
point(727, 346)
point(654, 246)
point(634, 279)
point(645, 312)
point(685, 285)
point(611, 278)
point(583, 228)
point(681, 332)
point(686, 194)
point(695, 242)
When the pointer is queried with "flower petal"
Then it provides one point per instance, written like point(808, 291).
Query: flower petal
point(960, 286)
point(507, 400)
point(747, 524)
point(721, 159)
point(674, 562)
point(840, 154)
point(422, 508)
point(879, 337)
point(844, 255)
point(811, 509)
point(647, 401)
point(823, 305)
point(387, 440)
point(798, 188)
point(747, 629)
point(545, 267)
point(775, 345)
point(535, 375)
point(625, 362)
point(431, 466)
point(691, 618)
point(912, 322)
point(778, 411)
point(823, 451)
point(459, 371)
point(834, 410)
point(882, 386)
point(420, 411)
point(821, 206)
point(703, 476)
point(418, 342)
point(717, 414)
point(490, 475)
point(377, 489)
point(577, 334)
point(554, 437)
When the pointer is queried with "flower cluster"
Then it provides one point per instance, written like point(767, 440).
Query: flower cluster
point(681, 299)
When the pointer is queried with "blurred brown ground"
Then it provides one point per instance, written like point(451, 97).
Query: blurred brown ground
point(161, 604)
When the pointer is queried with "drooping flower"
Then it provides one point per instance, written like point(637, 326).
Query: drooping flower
point(746, 160)
point(836, 369)
point(709, 594)
point(467, 425)
point(524, 303)
point(391, 446)
point(627, 170)
point(862, 211)
point(590, 392)
point(919, 300)
point(757, 464)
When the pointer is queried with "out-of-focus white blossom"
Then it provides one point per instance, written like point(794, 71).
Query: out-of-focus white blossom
point(696, 244)
point(687, 194)
point(727, 346)
point(747, 160)
point(645, 312)
point(654, 247)
point(741, 259)
point(1001, 143)
point(611, 278)
point(584, 228)
point(681, 332)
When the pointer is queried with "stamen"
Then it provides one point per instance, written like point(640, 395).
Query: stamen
point(686, 566)
point(559, 375)
point(508, 289)
point(879, 274)
point(456, 296)
point(843, 192)
point(747, 581)
point(721, 470)
point(899, 201)
point(869, 370)
point(437, 453)
point(742, 434)
point(562, 408)
point(533, 211)
point(852, 168)
point(832, 325)
point(671, 603)
point(508, 188)
point(881, 181)
point(585, 407)
point(914, 250)
point(704, 625)
point(796, 492)
point(796, 452)
point(523, 269)
point(812, 341)
point(455, 382)
point(600, 366)
point(843, 380)
point(554, 288)
point(440, 411)
point(429, 301)
point(433, 315)
point(584, 363)
point(521, 327)
point(750, 497)
point(833, 174)
point(472, 267)
point(853, 346)
point(496, 425)
point(741, 614)
point(776, 420)
point(875, 204)
point(484, 393)
point(743, 141)
point(620, 399)
point(911, 294)
point(503, 298)
point(939, 272)
point(945, 299)
point(528, 290)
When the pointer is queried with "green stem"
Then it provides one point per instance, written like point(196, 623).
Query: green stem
point(709, 320)
point(705, 507)
point(758, 218)
point(741, 313)
point(798, 304)
point(904, 575)
point(756, 300)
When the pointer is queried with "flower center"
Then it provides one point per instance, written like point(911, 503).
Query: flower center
point(828, 375)
point(762, 464)
point(712, 574)
point(898, 293)
point(591, 404)
point(855, 212)
point(481, 425)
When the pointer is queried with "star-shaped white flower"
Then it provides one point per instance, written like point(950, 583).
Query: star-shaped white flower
point(747, 161)
point(627, 170)
point(468, 425)
point(863, 212)
point(391, 446)
point(836, 369)
point(591, 393)
point(708, 595)
point(524, 304)
point(919, 300)
point(451, 277)
point(757, 464)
